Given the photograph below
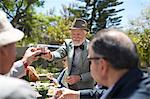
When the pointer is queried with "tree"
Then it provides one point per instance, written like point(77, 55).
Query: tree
point(39, 34)
point(140, 32)
point(21, 12)
point(98, 13)
point(23, 16)
point(59, 30)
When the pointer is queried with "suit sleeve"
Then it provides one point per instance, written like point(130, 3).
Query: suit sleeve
point(13, 88)
point(91, 93)
point(23, 91)
point(86, 76)
point(17, 70)
point(60, 52)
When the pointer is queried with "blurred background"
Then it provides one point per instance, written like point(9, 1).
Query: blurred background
point(48, 22)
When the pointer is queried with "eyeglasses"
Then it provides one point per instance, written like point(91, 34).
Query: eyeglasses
point(94, 58)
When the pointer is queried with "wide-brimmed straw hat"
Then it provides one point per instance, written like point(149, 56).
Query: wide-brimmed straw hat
point(79, 23)
point(8, 34)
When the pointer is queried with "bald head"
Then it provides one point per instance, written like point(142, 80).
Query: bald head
point(117, 37)
point(116, 47)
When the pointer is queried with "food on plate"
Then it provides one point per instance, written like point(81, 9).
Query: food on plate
point(51, 91)
point(54, 82)
point(32, 74)
point(49, 75)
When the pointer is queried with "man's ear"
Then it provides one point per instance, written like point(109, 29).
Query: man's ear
point(104, 66)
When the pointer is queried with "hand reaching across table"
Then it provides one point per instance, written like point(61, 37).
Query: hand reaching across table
point(72, 79)
point(65, 93)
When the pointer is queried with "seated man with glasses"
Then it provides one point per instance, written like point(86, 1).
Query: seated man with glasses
point(114, 64)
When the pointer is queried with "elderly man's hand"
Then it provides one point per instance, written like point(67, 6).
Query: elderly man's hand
point(65, 93)
point(47, 54)
point(31, 55)
point(72, 79)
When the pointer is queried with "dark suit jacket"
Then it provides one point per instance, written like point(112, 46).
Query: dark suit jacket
point(133, 85)
point(92, 93)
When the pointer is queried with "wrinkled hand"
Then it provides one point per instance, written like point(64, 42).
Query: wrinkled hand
point(65, 93)
point(47, 55)
point(30, 55)
point(72, 79)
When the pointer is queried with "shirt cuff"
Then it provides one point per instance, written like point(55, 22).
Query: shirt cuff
point(25, 64)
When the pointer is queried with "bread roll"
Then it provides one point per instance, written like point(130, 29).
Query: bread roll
point(32, 74)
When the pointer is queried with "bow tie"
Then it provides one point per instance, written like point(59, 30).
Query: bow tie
point(81, 47)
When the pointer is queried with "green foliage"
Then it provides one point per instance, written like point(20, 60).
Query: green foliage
point(38, 28)
point(19, 10)
point(90, 36)
point(43, 66)
point(140, 33)
point(42, 89)
point(59, 30)
point(38, 31)
point(142, 40)
point(98, 13)
point(23, 16)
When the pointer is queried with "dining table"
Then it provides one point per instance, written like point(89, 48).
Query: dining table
point(44, 90)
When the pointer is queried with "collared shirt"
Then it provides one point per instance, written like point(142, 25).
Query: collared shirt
point(106, 93)
point(75, 64)
point(17, 70)
point(76, 59)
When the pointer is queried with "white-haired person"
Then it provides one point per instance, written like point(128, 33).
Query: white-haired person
point(76, 51)
point(11, 88)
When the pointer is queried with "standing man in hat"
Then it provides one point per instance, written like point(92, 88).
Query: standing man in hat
point(11, 88)
point(76, 50)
